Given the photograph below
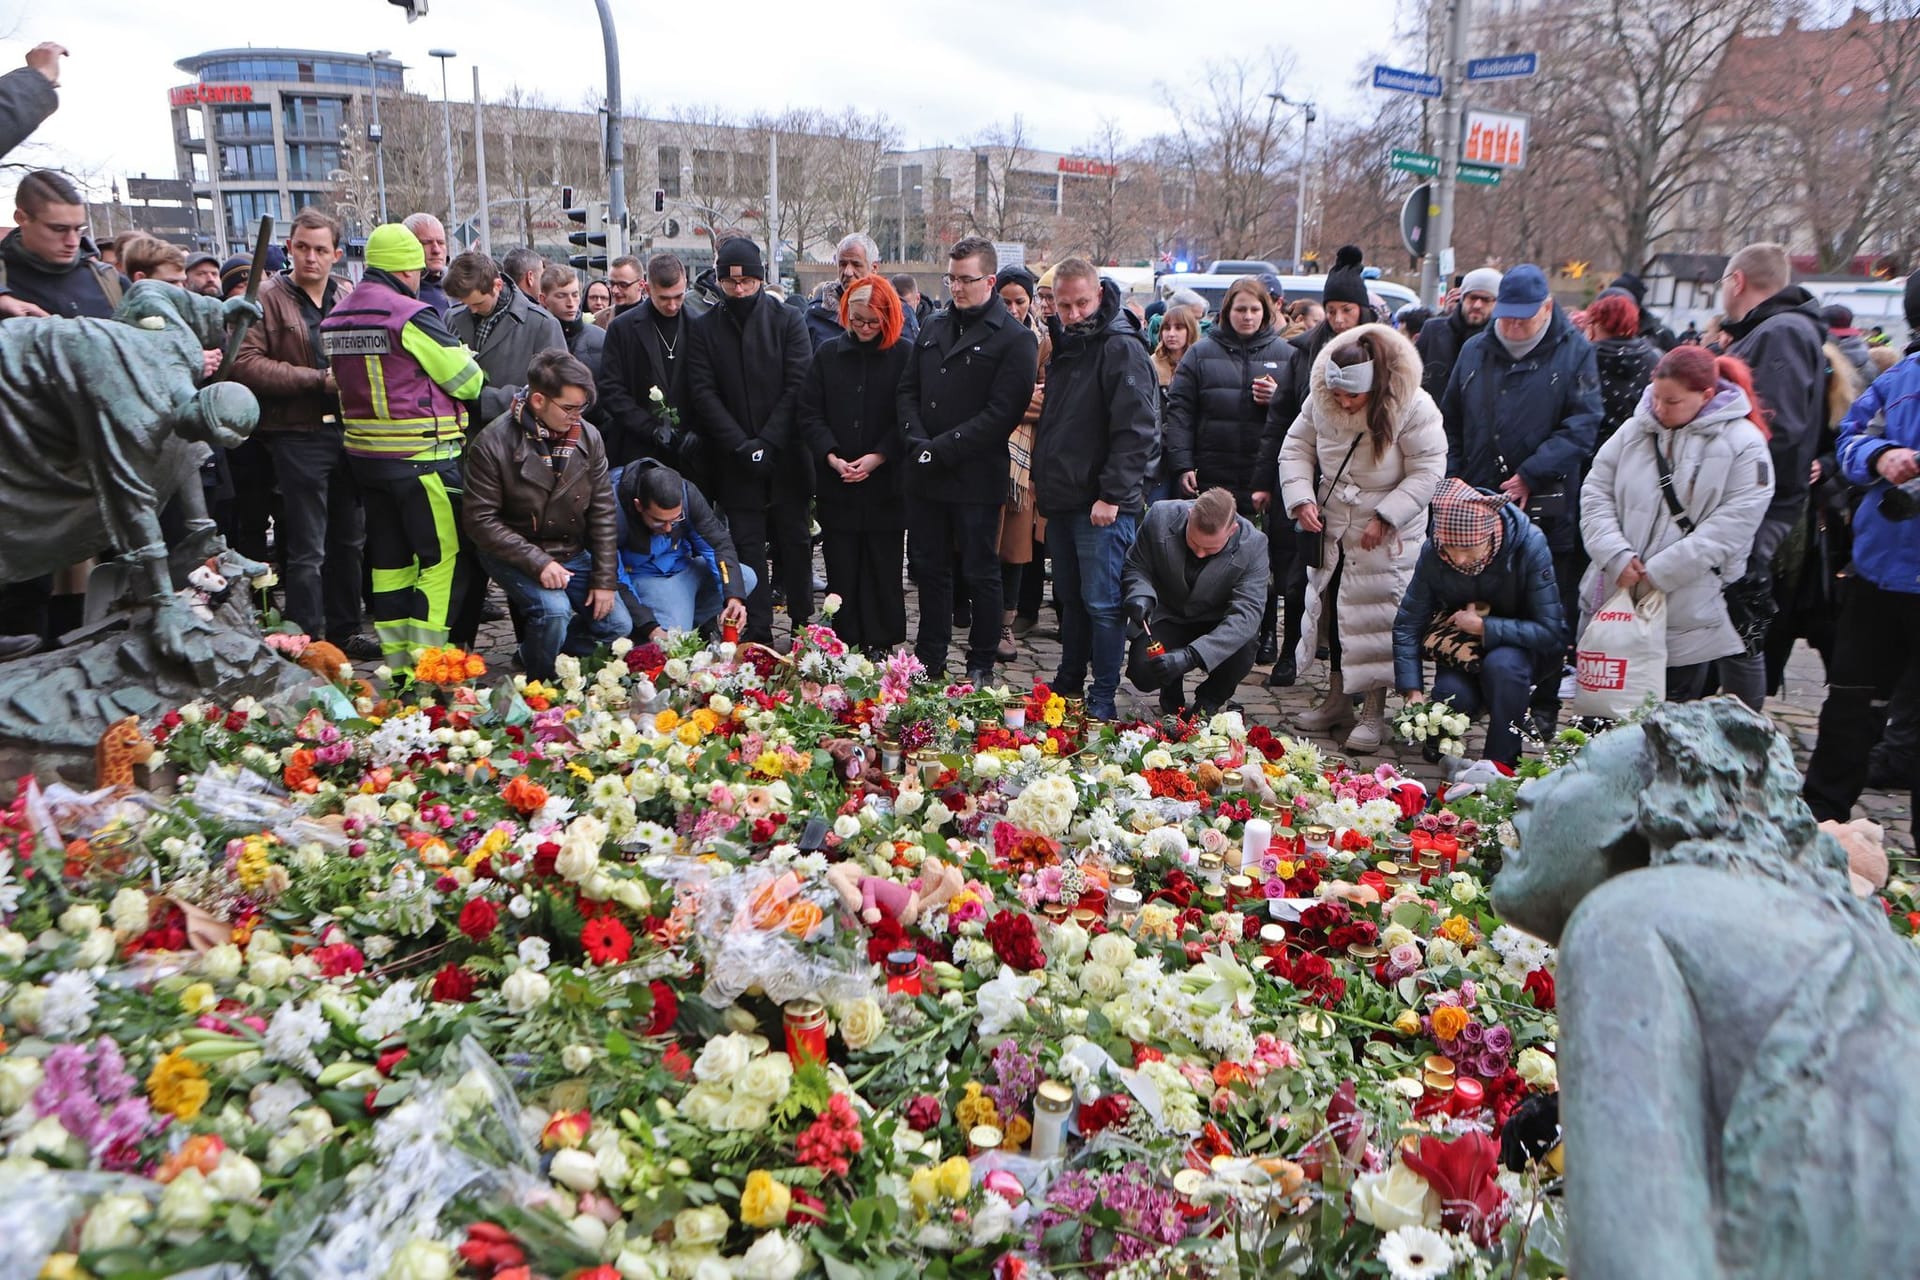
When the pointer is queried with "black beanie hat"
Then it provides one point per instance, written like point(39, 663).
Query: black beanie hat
point(1020, 276)
point(1633, 284)
point(742, 253)
point(1344, 283)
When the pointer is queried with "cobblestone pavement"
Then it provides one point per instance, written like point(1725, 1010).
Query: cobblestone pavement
point(1796, 709)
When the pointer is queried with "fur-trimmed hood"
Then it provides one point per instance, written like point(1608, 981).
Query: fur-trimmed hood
point(1402, 361)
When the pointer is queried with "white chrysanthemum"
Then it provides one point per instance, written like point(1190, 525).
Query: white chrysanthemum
point(270, 1104)
point(391, 1013)
point(1416, 1253)
point(68, 1009)
point(290, 1037)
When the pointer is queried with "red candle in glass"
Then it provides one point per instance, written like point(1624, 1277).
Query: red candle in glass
point(1447, 845)
point(903, 972)
point(806, 1026)
point(1422, 840)
point(730, 633)
point(1468, 1095)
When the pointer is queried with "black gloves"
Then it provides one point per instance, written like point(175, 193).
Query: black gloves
point(755, 456)
point(1173, 664)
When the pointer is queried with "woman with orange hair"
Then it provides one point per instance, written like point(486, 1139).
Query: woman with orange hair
point(851, 425)
point(1625, 359)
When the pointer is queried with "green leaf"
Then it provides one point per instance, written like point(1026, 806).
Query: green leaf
point(619, 1048)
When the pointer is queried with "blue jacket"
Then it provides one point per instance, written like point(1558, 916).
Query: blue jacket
point(1886, 552)
point(701, 536)
point(1537, 417)
point(1519, 585)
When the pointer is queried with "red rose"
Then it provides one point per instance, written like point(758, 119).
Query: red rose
point(1103, 1112)
point(804, 1210)
point(1539, 985)
point(1312, 976)
point(1014, 941)
point(666, 1008)
point(1325, 915)
point(924, 1113)
point(338, 959)
point(544, 858)
point(1360, 933)
point(454, 985)
point(389, 1062)
point(676, 1061)
point(489, 1248)
point(1462, 1172)
point(236, 721)
point(884, 936)
point(478, 919)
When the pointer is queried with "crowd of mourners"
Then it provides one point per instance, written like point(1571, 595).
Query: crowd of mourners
point(1429, 505)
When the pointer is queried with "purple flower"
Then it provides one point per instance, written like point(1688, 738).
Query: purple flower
point(1498, 1040)
point(1473, 1035)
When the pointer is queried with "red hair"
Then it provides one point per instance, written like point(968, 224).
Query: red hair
point(1699, 370)
point(1615, 315)
point(893, 317)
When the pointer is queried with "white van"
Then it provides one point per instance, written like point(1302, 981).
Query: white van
point(1214, 288)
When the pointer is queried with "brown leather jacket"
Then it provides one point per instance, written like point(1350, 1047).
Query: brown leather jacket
point(517, 511)
point(275, 362)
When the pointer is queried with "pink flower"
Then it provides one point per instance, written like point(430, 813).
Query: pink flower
point(719, 797)
point(758, 803)
point(1050, 879)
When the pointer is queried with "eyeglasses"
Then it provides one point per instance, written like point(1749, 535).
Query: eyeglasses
point(624, 286)
point(571, 412)
point(967, 281)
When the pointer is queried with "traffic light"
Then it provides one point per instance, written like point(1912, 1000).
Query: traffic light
point(566, 196)
point(588, 262)
point(583, 237)
point(414, 8)
point(659, 200)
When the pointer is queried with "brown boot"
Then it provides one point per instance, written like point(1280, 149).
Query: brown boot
point(1371, 730)
point(1008, 649)
point(1335, 709)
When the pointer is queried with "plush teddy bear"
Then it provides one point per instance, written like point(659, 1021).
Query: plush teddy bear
point(857, 766)
point(871, 897)
point(206, 590)
point(1865, 844)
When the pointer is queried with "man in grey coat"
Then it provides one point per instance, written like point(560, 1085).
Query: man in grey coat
point(1195, 583)
point(29, 94)
point(503, 327)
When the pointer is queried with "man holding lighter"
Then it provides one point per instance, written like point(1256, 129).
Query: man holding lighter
point(678, 568)
point(1196, 584)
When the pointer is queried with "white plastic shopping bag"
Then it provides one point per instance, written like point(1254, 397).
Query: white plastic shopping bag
point(1622, 655)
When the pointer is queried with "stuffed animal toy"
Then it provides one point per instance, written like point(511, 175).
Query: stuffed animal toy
point(1865, 843)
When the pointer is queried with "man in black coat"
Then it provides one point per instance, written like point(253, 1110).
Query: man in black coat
point(1196, 584)
point(646, 351)
point(47, 265)
point(966, 385)
point(1092, 444)
point(1440, 340)
point(560, 294)
point(746, 362)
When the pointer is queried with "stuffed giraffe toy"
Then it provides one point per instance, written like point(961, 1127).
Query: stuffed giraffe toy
point(121, 747)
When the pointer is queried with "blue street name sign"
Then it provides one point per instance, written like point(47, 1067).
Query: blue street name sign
point(1406, 81)
point(1512, 66)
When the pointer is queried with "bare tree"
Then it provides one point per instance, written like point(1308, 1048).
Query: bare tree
point(1228, 142)
point(1106, 209)
point(854, 146)
point(1009, 208)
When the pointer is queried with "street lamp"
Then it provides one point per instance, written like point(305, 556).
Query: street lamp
point(1300, 197)
point(446, 126)
point(373, 130)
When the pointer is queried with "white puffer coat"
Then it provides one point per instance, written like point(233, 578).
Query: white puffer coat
point(1396, 487)
point(1723, 476)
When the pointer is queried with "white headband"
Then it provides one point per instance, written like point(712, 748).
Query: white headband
point(1350, 378)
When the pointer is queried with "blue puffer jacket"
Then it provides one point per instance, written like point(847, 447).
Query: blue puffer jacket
point(1537, 417)
point(1519, 586)
point(1886, 552)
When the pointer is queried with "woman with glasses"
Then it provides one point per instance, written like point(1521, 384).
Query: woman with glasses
point(1483, 607)
point(597, 302)
point(849, 418)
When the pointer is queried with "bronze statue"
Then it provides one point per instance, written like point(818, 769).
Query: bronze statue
point(1737, 1029)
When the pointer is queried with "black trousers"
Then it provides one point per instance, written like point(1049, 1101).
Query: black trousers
point(1033, 583)
point(1289, 584)
point(322, 531)
point(756, 532)
point(937, 531)
point(1215, 687)
point(1877, 647)
point(863, 569)
point(243, 519)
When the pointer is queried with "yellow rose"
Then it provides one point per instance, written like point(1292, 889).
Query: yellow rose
point(666, 721)
point(976, 1109)
point(954, 1178)
point(861, 1022)
point(1449, 1021)
point(690, 734)
point(198, 998)
point(1408, 1023)
point(924, 1188)
point(765, 1201)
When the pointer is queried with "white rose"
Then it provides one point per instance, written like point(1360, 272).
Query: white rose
point(235, 1177)
point(96, 950)
point(695, 1228)
point(128, 911)
point(986, 766)
point(773, 1257)
point(1112, 949)
point(270, 970)
point(722, 1059)
point(765, 1079)
point(576, 1057)
point(1463, 891)
point(589, 1231)
point(633, 895)
point(639, 1266)
point(846, 826)
point(992, 1223)
point(111, 1224)
point(742, 1115)
point(19, 1077)
point(525, 990)
point(24, 1009)
point(422, 1260)
point(13, 946)
point(186, 1206)
point(909, 801)
point(575, 1169)
point(861, 1022)
point(577, 860)
point(79, 920)
point(1397, 1198)
point(1101, 982)
point(1537, 1068)
point(703, 1102)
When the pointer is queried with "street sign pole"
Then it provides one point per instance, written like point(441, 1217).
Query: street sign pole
point(1438, 263)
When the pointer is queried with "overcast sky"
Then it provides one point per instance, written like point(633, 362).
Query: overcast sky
point(943, 72)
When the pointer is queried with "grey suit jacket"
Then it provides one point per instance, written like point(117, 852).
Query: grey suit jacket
point(1230, 593)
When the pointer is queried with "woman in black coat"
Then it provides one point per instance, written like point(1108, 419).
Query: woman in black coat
point(849, 420)
point(1624, 358)
point(1217, 405)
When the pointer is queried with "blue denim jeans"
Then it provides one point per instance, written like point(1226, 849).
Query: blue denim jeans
point(553, 622)
point(1086, 573)
point(689, 598)
point(1500, 689)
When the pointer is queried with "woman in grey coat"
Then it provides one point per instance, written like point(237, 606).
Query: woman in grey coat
point(1700, 426)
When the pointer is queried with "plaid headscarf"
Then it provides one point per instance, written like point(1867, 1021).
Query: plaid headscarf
point(1464, 516)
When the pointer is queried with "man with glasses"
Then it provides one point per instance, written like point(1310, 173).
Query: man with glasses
point(966, 385)
point(677, 563)
point(647, 351)
point(47, 266)
point(623, 277)
point(540, 510)
point(746, 362)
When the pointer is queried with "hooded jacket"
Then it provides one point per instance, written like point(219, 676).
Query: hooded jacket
point(962, 392)
point(1100, 424)
point(1885, 552)
point(1536, 417)
point(514, 340)
point(1722, 477)
point(743, 383)
point(1213, 426)
point(1518, 586)
point(702, 535)
point(1625, 366)
point(1781, 340)
point(1326, 442)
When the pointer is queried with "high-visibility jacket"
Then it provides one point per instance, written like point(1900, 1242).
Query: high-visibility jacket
point(403, 377)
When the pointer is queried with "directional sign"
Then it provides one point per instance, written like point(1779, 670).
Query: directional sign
point(1406, 81)
point(1479, 175)
point(1414, 162)
point(1512, 66)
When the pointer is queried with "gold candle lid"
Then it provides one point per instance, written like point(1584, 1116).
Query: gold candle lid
point(1361, 951)
point(1120, 877)
point(1084, 915)
point(1055, 1095)
point(1437, 1082)
point(1439, 1064)
point(1211, 859)
point(1387, 868)
point(985, 1137)
point(1272, 933)
point(1240, 884)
